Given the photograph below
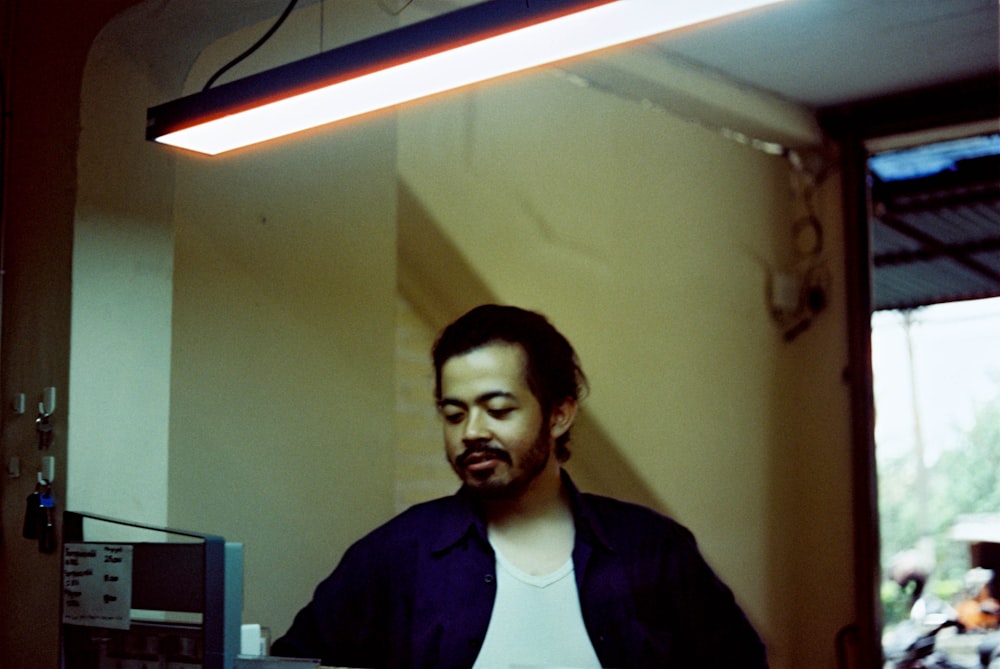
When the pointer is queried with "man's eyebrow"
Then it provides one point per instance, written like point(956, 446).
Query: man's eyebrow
point(501, 394)
point(481, 399)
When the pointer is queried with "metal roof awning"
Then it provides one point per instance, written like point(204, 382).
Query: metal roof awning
point(935, 224)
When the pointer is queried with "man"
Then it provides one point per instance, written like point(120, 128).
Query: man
point(519, 568)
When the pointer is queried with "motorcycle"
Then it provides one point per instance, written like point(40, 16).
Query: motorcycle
point(922, 651)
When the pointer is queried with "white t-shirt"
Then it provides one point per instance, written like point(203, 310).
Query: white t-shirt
point(536, 622)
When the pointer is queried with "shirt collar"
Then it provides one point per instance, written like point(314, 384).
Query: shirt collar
point(463, 515)
point(587, 521)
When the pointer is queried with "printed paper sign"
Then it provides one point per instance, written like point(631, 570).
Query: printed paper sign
point(97, 585)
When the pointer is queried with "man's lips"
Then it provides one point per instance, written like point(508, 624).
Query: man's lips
point(481, 466)
point(480, 459)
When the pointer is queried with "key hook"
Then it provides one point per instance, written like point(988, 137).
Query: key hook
point(47, 471)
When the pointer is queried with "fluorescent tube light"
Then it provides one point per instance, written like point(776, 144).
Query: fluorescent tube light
point(477, 43)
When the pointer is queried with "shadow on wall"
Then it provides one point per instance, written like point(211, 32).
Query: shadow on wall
point(440, 285)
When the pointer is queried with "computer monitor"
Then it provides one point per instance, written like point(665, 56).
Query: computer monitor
point(163, 597)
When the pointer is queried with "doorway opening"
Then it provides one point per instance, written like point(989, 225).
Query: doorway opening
point(935, 234)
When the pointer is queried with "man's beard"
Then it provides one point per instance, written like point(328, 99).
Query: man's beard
point(532, 463)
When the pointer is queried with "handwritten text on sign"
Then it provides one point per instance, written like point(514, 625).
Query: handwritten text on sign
point(97, 585)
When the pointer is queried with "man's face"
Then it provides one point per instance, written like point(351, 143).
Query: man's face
point(496, 438)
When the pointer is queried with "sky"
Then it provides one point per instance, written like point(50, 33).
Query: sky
point(956, 368)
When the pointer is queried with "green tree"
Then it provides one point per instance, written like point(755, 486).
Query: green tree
point(966, 480)
point(968, 477)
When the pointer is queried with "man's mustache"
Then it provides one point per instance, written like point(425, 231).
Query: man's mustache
point(478, 450)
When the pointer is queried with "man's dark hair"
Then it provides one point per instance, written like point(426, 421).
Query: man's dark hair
point(552, 370)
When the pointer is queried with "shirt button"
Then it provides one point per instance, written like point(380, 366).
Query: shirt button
point(488, 578)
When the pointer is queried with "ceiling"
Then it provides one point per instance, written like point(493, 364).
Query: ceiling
point(818, 53)
point(822, 55)
point(827, 53)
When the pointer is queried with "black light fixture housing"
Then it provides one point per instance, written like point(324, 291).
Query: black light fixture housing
point(475, 43)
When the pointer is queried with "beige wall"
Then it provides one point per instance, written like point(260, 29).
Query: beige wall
point(281, 416)
point(233, 325)
point(122, 293)
point(421, 471)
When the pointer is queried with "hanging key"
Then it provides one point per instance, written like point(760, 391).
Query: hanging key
point(44, 429)
point(32, 514)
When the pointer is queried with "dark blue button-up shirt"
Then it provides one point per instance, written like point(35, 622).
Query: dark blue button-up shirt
point(419, 591)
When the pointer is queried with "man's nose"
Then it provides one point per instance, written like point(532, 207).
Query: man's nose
point(476, 427)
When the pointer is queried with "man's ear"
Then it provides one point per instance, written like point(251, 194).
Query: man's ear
point(562, 417)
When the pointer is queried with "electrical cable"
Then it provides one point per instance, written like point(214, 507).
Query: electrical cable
point(389, 10)
point(273, 29)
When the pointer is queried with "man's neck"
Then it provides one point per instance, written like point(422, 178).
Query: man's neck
point(534, 530)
